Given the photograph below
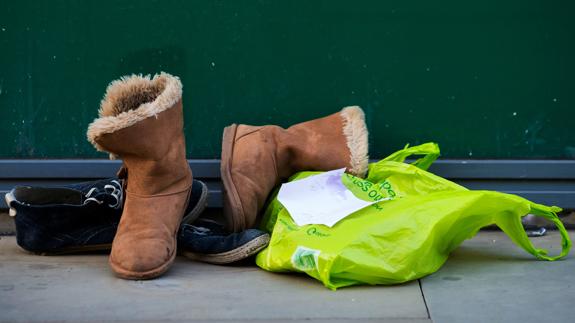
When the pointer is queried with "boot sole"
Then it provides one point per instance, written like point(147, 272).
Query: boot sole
point(231, 197)
point(247, 250)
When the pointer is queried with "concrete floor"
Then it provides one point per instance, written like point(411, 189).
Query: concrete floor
point(487, 279)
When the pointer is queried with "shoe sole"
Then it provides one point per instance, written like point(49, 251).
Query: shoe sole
point(231, 197)
point(247, 250)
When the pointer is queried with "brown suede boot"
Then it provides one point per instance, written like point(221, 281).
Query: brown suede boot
point(256, 159)
point(141, 122)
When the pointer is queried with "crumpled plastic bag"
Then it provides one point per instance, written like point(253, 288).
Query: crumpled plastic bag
point(401, 239)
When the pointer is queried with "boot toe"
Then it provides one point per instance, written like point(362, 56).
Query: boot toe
point(150, 259)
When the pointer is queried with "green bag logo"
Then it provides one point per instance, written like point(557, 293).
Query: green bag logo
point(305, 259)
point(367, 190)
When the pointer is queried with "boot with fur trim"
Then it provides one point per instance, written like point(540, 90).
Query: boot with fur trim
point(255, 159)
point(141, 122)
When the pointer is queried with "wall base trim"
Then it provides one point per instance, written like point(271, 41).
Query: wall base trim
point(550, 182)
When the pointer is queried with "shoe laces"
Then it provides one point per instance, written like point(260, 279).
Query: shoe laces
point(199, 230)
point(114, 190)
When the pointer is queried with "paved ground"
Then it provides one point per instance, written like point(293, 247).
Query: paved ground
point(488, 279)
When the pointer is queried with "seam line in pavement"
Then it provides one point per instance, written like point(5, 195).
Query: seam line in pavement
point(424, 300)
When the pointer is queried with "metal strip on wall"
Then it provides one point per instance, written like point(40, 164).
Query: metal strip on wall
point(549, 182)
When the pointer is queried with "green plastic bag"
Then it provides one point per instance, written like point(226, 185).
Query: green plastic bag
point(404, 238)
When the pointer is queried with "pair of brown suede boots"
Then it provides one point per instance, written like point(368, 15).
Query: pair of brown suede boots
point(141, 122)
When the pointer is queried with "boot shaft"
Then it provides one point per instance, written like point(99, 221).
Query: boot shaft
point(153, 151)
point(151, 138)
point(335, 141)
point(141, 122)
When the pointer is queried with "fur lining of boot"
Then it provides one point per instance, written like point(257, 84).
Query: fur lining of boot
point(132, 99)
point(356, 134)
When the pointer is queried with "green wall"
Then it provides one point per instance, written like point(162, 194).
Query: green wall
point(484, 79)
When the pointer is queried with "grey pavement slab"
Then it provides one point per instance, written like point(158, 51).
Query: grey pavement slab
point(82, 288)
point(489, 279)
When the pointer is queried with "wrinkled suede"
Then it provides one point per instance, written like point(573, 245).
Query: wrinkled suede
point(157, 191)
point(256, 159)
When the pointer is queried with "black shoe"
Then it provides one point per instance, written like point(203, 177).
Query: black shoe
point(207, 241)
point(76, 218)
point(198, 202)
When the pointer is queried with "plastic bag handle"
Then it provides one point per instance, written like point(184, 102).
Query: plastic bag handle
point(550, 214)
point(515, 230)
point(430, 151)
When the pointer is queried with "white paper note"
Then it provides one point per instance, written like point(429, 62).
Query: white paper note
point(320, 199)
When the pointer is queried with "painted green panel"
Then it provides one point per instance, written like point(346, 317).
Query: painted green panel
point(484, 79)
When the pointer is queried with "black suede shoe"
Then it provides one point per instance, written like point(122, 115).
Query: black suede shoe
point(207, 241)
point(77, 218)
